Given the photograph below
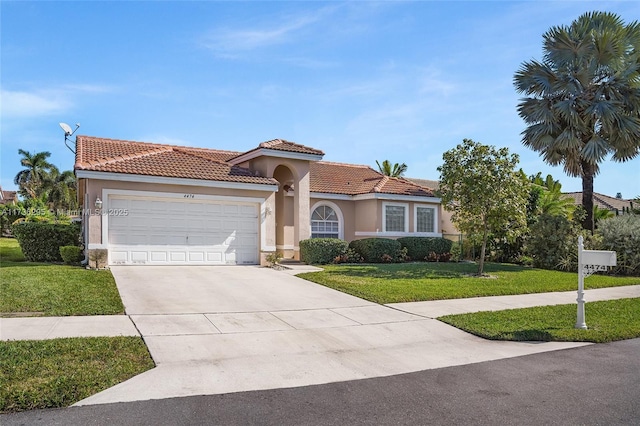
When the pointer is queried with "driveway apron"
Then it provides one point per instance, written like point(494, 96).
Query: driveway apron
point(214, 330)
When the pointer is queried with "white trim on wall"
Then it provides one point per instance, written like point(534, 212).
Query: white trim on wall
point(328, 196)
point(266, 152)
point(123, 177)
point(384, 216)
point(336, 209)
point(393, 197)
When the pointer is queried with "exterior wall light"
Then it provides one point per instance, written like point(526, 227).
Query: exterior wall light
point(98, 203)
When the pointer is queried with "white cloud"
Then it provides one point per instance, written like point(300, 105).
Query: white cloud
point(44, 102)
point(231, 42)
point(26, 104)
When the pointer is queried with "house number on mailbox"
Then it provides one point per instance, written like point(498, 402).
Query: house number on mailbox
point(189, 196)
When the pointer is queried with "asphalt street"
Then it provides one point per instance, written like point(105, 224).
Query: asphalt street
point(592, 385)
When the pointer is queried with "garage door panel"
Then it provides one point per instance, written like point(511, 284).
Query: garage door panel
point(158, 256)
point(139, 256)
point(169, 231)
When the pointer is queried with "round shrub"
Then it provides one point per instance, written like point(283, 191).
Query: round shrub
point(377, 250)
point(418, 248)
point(71, 255)
point(322, 250)
point(622, 235)
point(41, 242)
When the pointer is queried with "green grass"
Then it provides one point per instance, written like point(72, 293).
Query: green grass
point(411, 282)
point(53, 290)
point(60, 372)
point(608, 321)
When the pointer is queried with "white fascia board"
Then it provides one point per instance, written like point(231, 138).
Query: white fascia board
point(397, 234)
point(329, 196)
point(394, 197)
point(123, 177)
point(265, 152)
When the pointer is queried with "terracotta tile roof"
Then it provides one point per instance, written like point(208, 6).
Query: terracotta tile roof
point(351, 179)
point(600, 200)
point(143, 158)
point(139, 158)
point(283, 145)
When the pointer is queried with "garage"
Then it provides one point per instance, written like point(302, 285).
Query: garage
point(181, 231)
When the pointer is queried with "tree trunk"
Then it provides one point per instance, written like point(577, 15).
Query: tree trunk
point(587, 195)
point(482, 251)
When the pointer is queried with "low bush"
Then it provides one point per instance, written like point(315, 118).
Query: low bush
point(622, 235)
point(376, 250)
point(322, 250)
point(350, 256)
point(71, 255)
point(41, 242)
point(418, 248)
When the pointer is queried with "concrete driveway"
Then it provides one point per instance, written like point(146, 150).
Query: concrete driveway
point(215, 330)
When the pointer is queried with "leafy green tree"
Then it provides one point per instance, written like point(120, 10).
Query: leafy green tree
point(395, 170)
point(583, 98)
point(487, 196)
point(31, 179)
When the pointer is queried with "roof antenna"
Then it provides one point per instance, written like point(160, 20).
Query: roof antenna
point(67, 133)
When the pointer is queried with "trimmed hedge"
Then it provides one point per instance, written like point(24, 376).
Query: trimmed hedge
point(322, 250)
point(71, 255)
point(418, 248)
point(40, 242)
point(377, 250)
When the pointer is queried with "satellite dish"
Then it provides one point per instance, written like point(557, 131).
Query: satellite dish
point(68, 132)
point(66, 128)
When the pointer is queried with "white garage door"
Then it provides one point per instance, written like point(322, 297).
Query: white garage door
point(144, 230)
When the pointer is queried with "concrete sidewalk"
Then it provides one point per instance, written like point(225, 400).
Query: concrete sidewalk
point(41, 328)
point(438, 308)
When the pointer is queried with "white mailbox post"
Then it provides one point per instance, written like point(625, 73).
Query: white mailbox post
point(590, 261)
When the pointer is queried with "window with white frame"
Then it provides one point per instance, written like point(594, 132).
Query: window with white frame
point(425, 219)
point(396, 217)
point(325, 223)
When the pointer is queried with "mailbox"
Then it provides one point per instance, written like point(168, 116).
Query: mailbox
point(598, 257)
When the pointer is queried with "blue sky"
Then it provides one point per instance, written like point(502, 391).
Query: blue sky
point(363, 81)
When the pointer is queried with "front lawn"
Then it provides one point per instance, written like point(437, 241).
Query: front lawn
point(53, 290)
point(57, 373)
point(411, 282)
point(607, 321)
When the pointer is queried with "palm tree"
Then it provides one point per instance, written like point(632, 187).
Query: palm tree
point(551, 200)
point(397, 170)
point(61, 189)
point(31, 179)
point(600, 214)
point(583, 99)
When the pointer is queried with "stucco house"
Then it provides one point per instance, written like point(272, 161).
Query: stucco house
point(156, 204)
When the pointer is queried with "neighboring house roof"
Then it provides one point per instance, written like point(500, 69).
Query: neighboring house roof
point(351, 179)
point(140, 158)
point(427, 183)
point(600, 200)
point(8, 197)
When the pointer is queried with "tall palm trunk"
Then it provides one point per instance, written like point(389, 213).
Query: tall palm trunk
point(587, 195)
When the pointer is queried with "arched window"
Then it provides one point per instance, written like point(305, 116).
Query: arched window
point(325, 223)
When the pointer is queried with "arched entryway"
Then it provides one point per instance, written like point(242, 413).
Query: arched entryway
point(285, 211)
